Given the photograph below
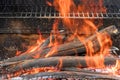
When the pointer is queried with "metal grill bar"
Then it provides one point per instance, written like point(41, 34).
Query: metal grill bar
point(58, 15)
point(28, 11)
point(39, 9)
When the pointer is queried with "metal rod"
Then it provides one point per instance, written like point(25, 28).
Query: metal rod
point(94, 15)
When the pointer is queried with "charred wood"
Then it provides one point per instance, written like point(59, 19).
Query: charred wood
point(78, 48)
point(71, 74)
point(68, 74)
point(67, 61)
point(75, 75)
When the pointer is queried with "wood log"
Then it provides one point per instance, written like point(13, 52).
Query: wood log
point(26, 55)
point(67, 61)
point(43, 45)
point(68, 48)
point(43, 49)
point(71, 74)
point(73, 48)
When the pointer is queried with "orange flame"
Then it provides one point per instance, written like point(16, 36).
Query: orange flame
point(33, 48)
point(18, 53)
point(48, 3)
point(33, 71)
point(37, 45)
point(86, 26)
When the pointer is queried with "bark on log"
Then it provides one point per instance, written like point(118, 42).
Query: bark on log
point(78, 47)
point(67, 61)
point(73, 75)
point(70, 48)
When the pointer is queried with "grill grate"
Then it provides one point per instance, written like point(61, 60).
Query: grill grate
point(58, 15)
point(35, 13)
point(39, 9)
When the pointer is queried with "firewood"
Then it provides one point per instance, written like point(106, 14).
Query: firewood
point(67, 61)
point(43, 45)
point(42, 51)
point(25, 55)
point(69, 48)
point(77, 47)
point(71, 74)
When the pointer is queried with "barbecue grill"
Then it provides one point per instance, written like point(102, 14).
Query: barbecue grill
point(28, 17)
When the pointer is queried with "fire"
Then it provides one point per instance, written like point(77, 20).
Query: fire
point(18, 53)
point(87, 27)
point(37, 70)
point(33, 48)
point(64, 7)
point(33, 71)
point(48, 3)
point(98, 58)
point(37, 45)
point(57, 39)
point(115, 70)
point(117, 66)
point(91, 6)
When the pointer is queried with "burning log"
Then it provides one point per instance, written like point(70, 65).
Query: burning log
point(46, 43)
point(67, 61)
point(24, 55)
point(69, 74)
point(66, 49)
point(43, 48)
point(74, 47)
